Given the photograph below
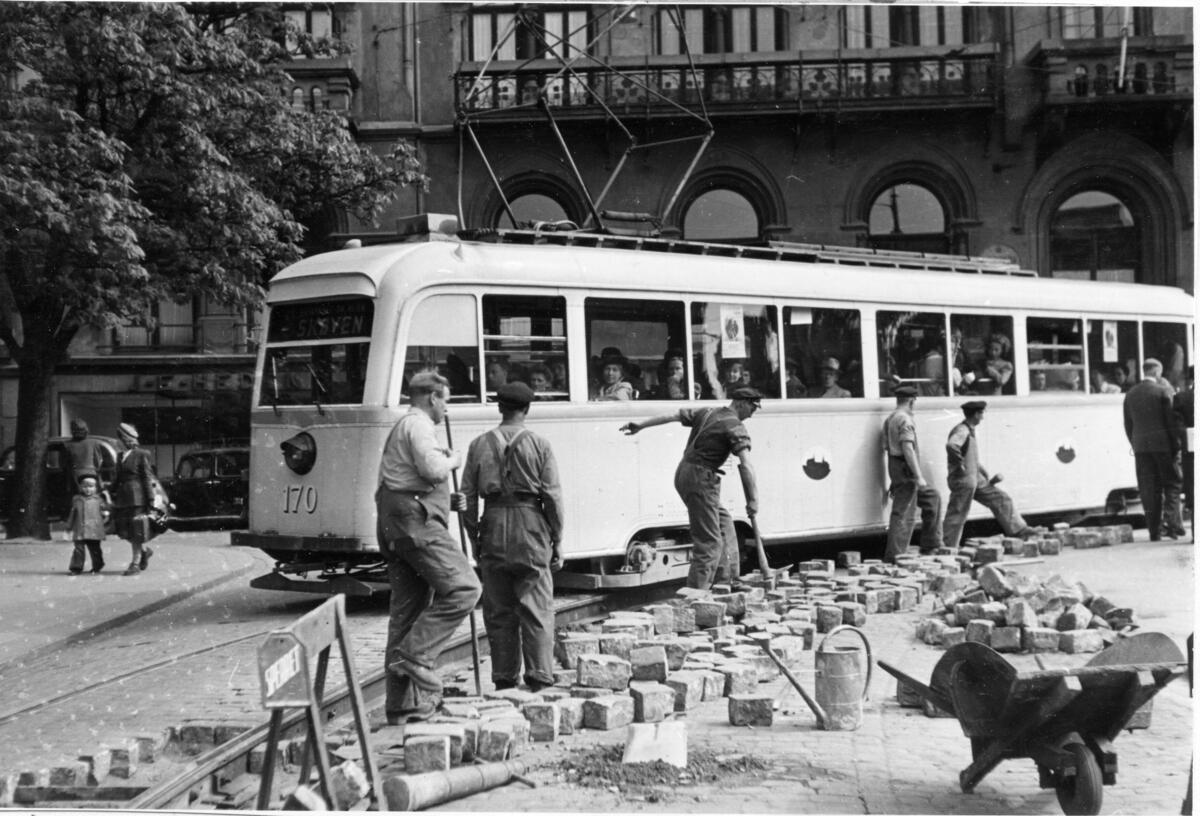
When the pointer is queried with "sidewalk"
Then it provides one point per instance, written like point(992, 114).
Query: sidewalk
point(43, 607)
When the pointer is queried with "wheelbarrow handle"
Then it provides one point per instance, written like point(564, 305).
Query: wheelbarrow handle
point(866, 643)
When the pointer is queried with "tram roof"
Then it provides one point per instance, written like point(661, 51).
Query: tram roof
point(793, 271)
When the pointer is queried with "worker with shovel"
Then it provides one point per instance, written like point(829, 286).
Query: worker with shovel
point(513, 469)
point(716, 434)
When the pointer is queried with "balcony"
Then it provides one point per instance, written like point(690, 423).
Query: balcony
point(1087, 71)
point(872, 80)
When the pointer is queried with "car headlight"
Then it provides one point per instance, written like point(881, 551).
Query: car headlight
point(299, 453)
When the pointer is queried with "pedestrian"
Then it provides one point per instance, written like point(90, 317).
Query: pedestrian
point(433, 585)
point(1153, 433)
point(133, 497)
point(85, 525)
point(84, 455)
point(513, 470)
point(969, 480)
point(1185, 419)
point(909, 490)
point(716, 434)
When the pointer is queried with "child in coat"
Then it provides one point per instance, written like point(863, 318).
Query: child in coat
point(85, 525)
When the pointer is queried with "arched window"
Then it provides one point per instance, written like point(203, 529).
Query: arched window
point(1094, 236)
point(298, 98)
point(532, 207)
point(721, 214)
point(318, 99)
point(909, 217)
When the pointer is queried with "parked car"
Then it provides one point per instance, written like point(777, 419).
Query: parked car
point(211, 487)
point(59, 487)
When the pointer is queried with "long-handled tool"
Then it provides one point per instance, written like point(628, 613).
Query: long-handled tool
point(763, 565)
point(466, 548)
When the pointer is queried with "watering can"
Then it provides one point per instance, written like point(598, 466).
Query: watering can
point(841, 684)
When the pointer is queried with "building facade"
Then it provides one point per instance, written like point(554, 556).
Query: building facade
point(1057, 137)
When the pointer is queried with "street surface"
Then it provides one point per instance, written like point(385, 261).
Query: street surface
point(898, 762)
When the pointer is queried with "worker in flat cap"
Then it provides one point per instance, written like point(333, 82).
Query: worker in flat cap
point(829, 388)
point(716, 434)
point(909, 489)
point(513, 470)
point(433, 585)
point(969, 481)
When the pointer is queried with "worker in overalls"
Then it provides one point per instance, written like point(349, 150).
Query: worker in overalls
point(513, 470)
point(909, 488)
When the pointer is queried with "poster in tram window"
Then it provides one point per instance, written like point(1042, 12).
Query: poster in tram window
point(1110, 341)
point(733, 332)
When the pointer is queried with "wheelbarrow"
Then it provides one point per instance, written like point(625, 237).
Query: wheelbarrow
point(1063, 719)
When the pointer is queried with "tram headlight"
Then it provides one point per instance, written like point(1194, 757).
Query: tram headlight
point(299, 453)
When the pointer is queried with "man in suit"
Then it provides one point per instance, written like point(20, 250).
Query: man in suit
point(1151, 428)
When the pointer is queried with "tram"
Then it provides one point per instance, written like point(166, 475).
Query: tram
point(683, 323)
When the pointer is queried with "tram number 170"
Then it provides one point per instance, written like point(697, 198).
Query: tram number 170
point(299, 498)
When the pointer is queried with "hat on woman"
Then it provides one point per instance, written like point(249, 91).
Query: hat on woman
point(128, 430)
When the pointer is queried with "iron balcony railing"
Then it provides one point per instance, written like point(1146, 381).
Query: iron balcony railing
point(879, 78)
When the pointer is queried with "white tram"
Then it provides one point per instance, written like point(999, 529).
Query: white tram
point(347, 329)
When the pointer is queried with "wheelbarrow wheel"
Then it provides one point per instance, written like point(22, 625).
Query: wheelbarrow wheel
point(1081, 794)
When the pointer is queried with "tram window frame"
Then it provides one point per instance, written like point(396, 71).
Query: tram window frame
point(972, 377)
point(1117, 339)
point(443, 336)
point(322, 373)
point(1059, 374)
point(542, 343)
point(805, 356)
point(890, 325)
point(1175, 360)
point(754, 329)
point(626, 324)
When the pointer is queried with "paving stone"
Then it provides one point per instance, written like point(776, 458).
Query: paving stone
point(98, 763)
point(1020, 612)
point(1076, 617)
point(1077, 641)
point(689, 689)
point(953, 635)
point(967, 611)
point(514, 696)
point(735, 604)
point(1006, 639)
point(648, 663)
point(1050, 546)
point(907, 696)
point(1040, 639)
point(569, 647)
point(607, 713)
point(980, 631)
point(828, 616)
point(714, 683)
point(849, 558)
point(570, 715)
point(497, 741)
point(994, 581)
point(543, 721)
point(664, 618)
point(751, 709)
point(455, 732)
point(853, 614)
point(604, 671)
point(652, 702)
point(929, 630)
point(68, 774)
point(906, 598)
point(708, 614)
point(620, 644)
point(1101, 606)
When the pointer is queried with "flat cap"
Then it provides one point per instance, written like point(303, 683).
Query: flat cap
point(973, 406)
point(746, 393)
point(128, 430)
point(514, 393)
point(426, 382)
point(904, 391)
point(831, 364)
point(78, 426)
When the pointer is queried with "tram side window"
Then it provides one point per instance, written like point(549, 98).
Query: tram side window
point(735, 344)
point(1112, 355)
point(912, 351)
point(981, 358)
point(1055, 354)
point(525, 339)
point(822, 352)
point(636, 349)
point(442, 337)
point(1166, 342)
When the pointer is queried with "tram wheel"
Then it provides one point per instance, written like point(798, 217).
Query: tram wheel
point(1083, 793)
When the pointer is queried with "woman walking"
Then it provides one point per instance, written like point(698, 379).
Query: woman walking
point(133, 497)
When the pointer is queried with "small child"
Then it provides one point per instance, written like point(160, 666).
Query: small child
point(85, 525)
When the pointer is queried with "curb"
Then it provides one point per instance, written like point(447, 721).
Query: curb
point(122, 619)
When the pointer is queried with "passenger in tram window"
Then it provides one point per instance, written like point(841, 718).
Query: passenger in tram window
point(717, 433)
point(613, 383)
point(1119, 376)
point(540, 380)
point(929, 369)
point(558, 373)
point(497, 372)
point(734, 375)
point(1037, 380)
point(996, 370)
point(1101, 385)
point(459, 375)
point(672, 377)
point(829, 388)
point(795, 387)
point(1068, 380)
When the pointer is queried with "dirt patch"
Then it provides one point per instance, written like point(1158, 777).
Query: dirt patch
point(601, 767)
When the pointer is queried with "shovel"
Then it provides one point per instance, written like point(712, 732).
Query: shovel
point(763, 566)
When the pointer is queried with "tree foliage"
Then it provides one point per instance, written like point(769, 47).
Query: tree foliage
point(150, 152)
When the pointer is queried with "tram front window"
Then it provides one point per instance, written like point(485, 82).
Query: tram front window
point(315, 375)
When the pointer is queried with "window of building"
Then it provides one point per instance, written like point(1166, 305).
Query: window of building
point(1091, 22)
point(314, 22)
point(1094, 236)
point(525, 337)
point(167, 325)
point(722, 30)
point(530, 208)
point(1112, 355)
point(720, 215)
point(539, 33)
point(1167, 343)
point(442, 337)
point(981, 355)
point(871, 26)
point(1055, 347)
point(912, 351)
point(908, 216)
point(822, 352)
point(735, 344)
point(642, 343)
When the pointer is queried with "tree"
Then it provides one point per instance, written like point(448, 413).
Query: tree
point(150, 152)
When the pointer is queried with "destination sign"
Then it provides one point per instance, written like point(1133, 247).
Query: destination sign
point(328, 320)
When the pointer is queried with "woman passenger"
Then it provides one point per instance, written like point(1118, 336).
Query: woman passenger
point(612, 379)
point(672, 378)
point(995, 370)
